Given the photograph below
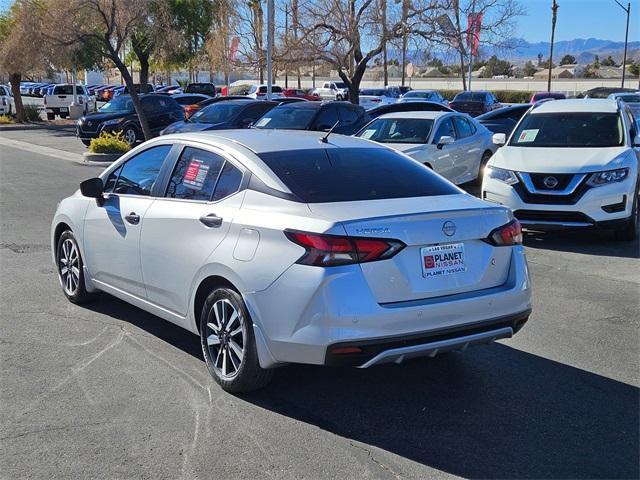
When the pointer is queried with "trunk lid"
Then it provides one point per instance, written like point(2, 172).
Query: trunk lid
point(420, 224)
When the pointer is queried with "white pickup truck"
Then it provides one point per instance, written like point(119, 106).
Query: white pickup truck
point(332, 91)
point(60, 97)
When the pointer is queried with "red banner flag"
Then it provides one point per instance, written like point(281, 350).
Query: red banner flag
point(473, 32)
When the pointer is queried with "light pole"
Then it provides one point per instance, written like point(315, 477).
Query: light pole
point(270, 21)
point(554, 15)
point(626, 39)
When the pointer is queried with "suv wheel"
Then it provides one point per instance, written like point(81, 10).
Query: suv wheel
point(228, 343)
point(51, 116)
point(629, 230)
point(130, 134)
point(70, 269)
point(486, 156)
point(339, 98)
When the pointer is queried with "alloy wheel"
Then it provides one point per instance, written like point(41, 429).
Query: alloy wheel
point(226, 338)
point(69, 266)
point(130, 136)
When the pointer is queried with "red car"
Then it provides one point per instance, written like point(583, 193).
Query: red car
point(298, 93)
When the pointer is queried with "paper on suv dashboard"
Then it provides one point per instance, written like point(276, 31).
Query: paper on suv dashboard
point(528, 135)
point(440, 260)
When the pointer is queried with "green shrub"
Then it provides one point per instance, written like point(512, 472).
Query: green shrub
point(6, 120)
point(109, 143)
point(31, 113)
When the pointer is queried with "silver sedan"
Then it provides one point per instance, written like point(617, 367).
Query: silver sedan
point(453, 144)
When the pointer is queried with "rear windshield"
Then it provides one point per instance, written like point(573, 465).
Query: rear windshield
point(216, 113)
point(351, 174)
point(419, 95)
point(470, 96)
point(378, 92)
point(398, 130)
point(188, 100)
point(67, 90)
point(288, 118)
point(578, 129)
point(274, 89)
point(203, 88)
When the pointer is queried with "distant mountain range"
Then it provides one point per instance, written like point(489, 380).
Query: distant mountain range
point(519, 51)
point(583, 49)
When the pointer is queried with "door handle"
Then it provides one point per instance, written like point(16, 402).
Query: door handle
point(133, 218)
point(211, 220)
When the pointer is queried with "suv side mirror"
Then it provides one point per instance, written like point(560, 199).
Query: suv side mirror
point(92, 188)
point(499, 139)
point(445, 140)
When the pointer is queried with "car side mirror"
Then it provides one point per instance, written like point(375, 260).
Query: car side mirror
point(445, 140)
point(93, 188)
point(636, 140)
point(499, 139)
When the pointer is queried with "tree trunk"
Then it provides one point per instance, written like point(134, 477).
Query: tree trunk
point(14, 80)
point(128, 81)
point(144, 72)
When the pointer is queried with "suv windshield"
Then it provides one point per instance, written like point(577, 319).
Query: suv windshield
point(578, 129)
point(288, 118)
point(216, 113)
point(398, 130)
point(118, 104)
point(378, 92)
point(352, 174)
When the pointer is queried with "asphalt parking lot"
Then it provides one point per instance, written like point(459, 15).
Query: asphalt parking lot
point(110, 391)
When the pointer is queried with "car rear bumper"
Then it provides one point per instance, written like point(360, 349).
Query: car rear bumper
point(599, 207)
point(309, 311)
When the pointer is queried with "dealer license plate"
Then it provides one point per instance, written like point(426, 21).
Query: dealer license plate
point(441, 260)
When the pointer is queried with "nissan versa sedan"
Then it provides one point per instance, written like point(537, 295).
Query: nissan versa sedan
point(453, 144)
point(294, 247)
point(570, 164)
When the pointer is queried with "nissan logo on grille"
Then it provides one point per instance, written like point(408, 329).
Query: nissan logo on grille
point(449, 228)
point(550, 182)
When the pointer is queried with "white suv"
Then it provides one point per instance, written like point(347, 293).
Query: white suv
point(6, 100)
point(570, 163)
point(259, 92)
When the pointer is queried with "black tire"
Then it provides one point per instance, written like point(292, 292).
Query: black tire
point(64, 115)
point(131, 134)
point(77, 293)
point(51, 116)
point(629, 229)
point(248, 375)
point(339, 98)
point(483, 163)
point(86, 142)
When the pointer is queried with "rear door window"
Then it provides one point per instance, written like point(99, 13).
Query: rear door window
point(348, 115)
point(195, 175)
point(353, 174)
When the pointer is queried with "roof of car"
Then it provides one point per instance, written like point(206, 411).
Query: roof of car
point(577, 105)
point(269, 140)
point(425, 115)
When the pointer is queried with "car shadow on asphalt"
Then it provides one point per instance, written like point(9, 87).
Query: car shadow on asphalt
point(589, 242)
point(491, 412)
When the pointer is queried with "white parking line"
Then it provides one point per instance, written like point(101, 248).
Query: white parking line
point(48, 151)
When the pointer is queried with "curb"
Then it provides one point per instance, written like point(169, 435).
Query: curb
point(101, 157)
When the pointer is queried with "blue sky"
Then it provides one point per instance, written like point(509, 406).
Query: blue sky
point(602, 19)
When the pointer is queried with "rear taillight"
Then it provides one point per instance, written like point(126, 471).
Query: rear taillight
point(331, 250)
point(507, 235)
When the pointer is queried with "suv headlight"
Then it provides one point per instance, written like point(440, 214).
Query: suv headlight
point(609, 176)
point(501, 174)
point(115, 121)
